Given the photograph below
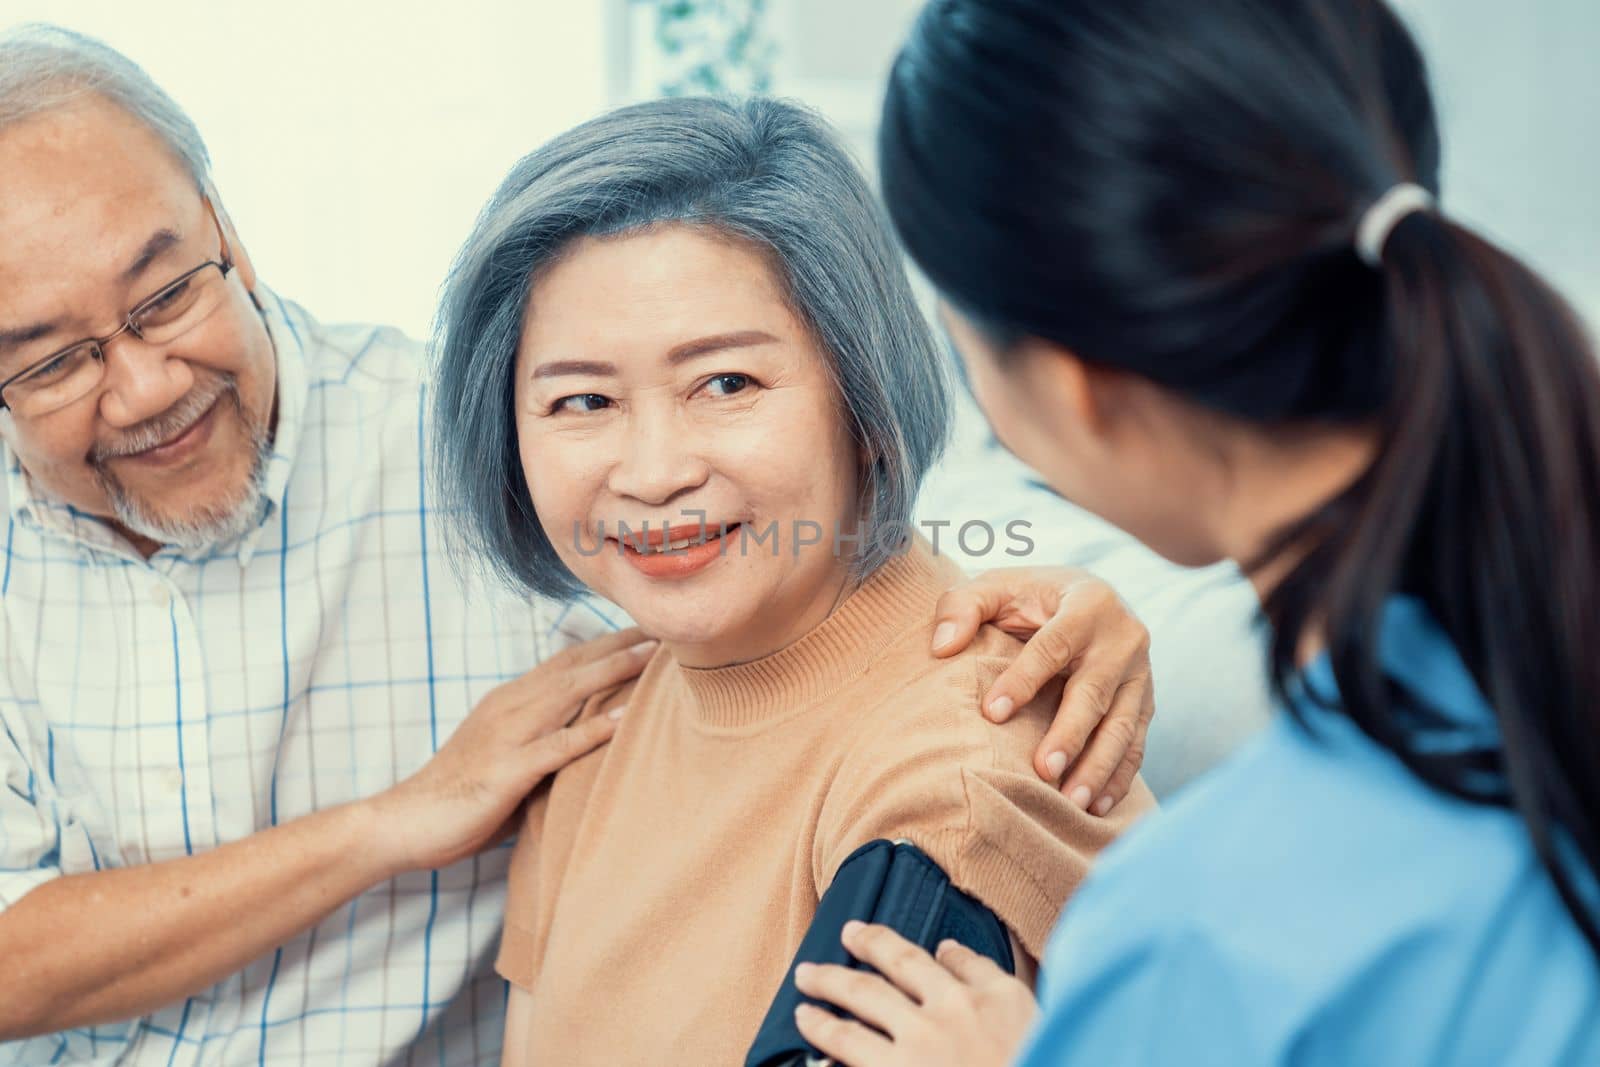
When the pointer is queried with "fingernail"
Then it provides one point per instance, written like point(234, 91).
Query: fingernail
point(1055, 763)
point(644, 648)
point(616, 712)
point(1080, 796)
point(804, 971)
point(853, 928)
point(1102, 805)
point(1000, 707)
point(943, 634)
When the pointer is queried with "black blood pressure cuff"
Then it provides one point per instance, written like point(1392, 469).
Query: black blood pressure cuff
point(894, 884)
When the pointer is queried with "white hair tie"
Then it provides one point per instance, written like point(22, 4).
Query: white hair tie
point(1384, 215)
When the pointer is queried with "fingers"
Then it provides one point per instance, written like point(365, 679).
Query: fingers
point(612, 669)
point(1122, 778)
point(568, 664)
point(906, 965)
point(1046, 654)
point(866, 996)
point(1085, 617)
point(551, 690)
point(959, 613)
point(846, 1041)
point(598, 647)
point(554, 751)
point(1117, 736)
point(1103, 720)
point(970, 967)
point(1086, 699)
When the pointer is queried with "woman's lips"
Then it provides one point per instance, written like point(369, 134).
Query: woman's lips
point(674, 562)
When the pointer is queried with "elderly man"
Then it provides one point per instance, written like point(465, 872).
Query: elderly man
point(225, 624)
point(258, 743)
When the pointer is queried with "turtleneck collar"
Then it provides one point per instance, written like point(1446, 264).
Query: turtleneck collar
point(898, 595)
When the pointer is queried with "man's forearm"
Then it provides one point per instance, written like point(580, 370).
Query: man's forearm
point(118, 944)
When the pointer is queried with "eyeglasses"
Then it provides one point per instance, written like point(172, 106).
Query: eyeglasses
point(72, 373)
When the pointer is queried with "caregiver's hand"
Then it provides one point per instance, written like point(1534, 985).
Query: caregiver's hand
point(959, 1010)
point(466, 797)
point(1073, 623)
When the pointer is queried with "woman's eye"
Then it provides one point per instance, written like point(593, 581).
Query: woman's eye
point(581, 402)
point(728, 384)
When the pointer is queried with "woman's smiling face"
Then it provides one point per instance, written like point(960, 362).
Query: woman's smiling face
point(663, 378)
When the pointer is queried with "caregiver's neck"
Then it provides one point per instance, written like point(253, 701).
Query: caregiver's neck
point(1274, 480)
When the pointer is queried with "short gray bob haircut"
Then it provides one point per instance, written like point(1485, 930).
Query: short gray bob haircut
point(45, 67)
point(763, 171)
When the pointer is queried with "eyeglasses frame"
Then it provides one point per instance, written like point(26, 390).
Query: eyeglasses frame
point(129, 325)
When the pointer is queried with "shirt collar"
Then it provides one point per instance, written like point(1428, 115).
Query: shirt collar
point(288, 327)
point(1417, 654)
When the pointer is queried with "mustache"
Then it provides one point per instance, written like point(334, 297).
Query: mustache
point(170, 423)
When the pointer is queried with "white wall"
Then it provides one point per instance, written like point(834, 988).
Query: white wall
point(1516, 89)
point(355, 142)
point(1519, 97)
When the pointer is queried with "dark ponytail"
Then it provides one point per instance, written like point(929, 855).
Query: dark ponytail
point(1482, 502)
point(1173, 188)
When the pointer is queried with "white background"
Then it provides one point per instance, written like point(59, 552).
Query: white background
point(355, 141)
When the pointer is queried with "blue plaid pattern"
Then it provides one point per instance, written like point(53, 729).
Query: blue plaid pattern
point(150, 710)
point(153, 709)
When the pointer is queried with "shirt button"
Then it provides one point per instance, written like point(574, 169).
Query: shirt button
point(172, 779)
point(161, 596)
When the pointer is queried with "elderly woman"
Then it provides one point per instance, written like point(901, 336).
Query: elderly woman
point(683, 344)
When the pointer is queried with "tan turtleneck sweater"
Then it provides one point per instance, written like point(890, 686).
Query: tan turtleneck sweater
point(662, 883)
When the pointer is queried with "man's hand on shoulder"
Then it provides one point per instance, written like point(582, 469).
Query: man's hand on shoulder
point(1074, 624)
point(467, 796)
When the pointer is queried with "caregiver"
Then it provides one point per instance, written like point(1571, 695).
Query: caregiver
point(1192, 256)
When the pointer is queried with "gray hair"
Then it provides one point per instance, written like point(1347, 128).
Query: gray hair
point(45, 67)
point(764, 171)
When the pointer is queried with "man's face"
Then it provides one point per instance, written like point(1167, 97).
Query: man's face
point(96, 216)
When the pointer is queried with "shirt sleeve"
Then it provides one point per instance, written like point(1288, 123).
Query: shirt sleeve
point(29, 845)
point(934, 771)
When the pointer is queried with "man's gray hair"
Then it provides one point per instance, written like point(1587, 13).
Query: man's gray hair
point(45, 67)
point(760, 170)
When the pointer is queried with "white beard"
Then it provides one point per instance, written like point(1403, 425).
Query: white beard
point(212, 523)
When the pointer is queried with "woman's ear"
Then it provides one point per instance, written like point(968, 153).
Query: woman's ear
point(1065, 383)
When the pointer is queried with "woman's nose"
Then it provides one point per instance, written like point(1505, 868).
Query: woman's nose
point(141, 382)
point(658, 460)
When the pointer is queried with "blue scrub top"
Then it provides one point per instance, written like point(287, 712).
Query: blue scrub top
point(1312, 902)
